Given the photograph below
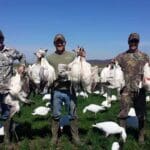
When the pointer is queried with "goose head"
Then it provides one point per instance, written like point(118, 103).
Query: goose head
point(123, 134)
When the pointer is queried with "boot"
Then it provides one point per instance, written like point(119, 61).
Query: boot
point(141, 131)
point(74, 132)
point(7, 131)
point(122, 123)
point(141, 136)
point(54, 130)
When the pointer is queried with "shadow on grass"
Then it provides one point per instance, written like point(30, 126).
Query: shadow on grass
point(83, 132)
point(42, 118)
point(133, 132)
point(25, 130)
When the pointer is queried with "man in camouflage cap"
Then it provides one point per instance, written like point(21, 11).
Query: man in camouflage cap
point(62, 90)
point(132, 62)
point(7, 58)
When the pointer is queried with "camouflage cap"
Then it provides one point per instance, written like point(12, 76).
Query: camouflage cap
point(1, 35)
point(59, 37)
point(134, 36)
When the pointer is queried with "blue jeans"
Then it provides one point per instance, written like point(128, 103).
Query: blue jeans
point(58, 98)
point(5, 109)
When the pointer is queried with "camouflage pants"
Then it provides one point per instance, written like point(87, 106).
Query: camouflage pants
point(133, 99)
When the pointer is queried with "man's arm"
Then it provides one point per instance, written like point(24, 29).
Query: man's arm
point(147, 58)
point(119, 59)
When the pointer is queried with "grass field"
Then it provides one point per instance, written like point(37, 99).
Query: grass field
point(34, 131)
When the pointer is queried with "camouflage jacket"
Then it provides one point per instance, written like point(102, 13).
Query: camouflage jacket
point(7, 58)
point(132, 64)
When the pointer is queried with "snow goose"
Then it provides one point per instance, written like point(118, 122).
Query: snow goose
point(105, 95)
point(83, 94)
point(147, 98)
point(46, 97)
point(93, 108)
point(113, 98)
point(106, 104)
point(47, 104)
point(41, 110)
point(110, 127)
point(115, 146)
point(96, 92)
point(1, 130)
point(146, 82)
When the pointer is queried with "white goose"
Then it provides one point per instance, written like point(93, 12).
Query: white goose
point(83, 94)
point(113, 98)
point(105, 95)
point(42, 111)
point(93, 108)
point(115, 146)
point(96, 92)
point(146, 82)
point(46, 97)
point(110, 127)
point(1, 130)
point(47, 104)
point(106, 103)
point(147, 98)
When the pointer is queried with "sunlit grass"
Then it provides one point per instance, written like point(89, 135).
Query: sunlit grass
point(35, 132)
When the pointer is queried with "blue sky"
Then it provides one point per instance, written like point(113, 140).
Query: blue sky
point(100, 26)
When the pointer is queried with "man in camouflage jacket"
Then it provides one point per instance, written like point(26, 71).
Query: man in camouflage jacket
point(132, 62)
point(7, 58)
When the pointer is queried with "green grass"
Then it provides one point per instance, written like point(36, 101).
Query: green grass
point(34, 131)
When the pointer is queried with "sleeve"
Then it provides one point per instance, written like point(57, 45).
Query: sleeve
point(73, 56)
point(19, 56)
point(119, 59)
point(49, 58)
point(147, 58)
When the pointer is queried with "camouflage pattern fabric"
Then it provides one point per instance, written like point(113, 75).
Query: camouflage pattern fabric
point(131, 96)
point(7, 58)
point(132, 65)
point(133, 99)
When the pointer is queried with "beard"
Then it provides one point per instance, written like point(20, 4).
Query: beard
point(60, 49)
point(133, 46)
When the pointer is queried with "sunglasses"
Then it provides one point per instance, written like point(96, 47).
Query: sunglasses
point(134, 41)
point(59, 43)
